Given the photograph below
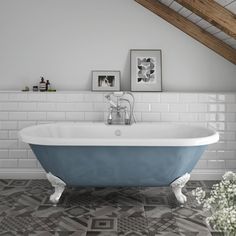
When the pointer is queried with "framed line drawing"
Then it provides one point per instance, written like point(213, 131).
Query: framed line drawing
point(105, 80)
point(146, 70)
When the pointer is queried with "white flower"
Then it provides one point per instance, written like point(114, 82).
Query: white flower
point(229, 176)
point(222, 202)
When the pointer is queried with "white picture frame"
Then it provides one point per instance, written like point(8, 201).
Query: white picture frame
point(105, 80)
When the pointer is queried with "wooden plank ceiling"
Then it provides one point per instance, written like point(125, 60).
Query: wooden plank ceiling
point(213, 23)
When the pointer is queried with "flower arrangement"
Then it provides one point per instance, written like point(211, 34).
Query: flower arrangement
point(222, 203)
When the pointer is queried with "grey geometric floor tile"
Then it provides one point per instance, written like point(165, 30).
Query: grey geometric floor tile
point(200, 233)
point(28, 224)
point(40, 183)
point(124, 200)
point(73, 224)
point(155, 200)
point(79, 211)
point(45, 233)
point(48, 211)
point(4, 182)
point(9, 233)
point(157, 211)
point(137, 224)
point(72, 199)
point(153, 191)
point(16, 210)
point(193, 184)
point(101, 233)
point(184, 212)
point(28, 199)
point(167, 224)
point(133, 233)
point(165, 233)
point(11, 191)
point(209, 183)
point(191, 225)
point(102, 224)
point(129, 191)
point(118, 211)
point(19, 183)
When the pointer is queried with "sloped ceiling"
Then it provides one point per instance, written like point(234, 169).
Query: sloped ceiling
point(213, 23)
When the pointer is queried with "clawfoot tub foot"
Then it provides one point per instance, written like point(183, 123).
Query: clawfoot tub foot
point(59, 186)
point(177, 186)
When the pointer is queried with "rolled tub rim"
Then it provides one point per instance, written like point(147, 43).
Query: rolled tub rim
point(210, 139)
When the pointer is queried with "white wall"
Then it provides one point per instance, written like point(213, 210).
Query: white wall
point(65, 39)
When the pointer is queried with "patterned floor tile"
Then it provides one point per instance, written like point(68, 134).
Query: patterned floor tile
point(193, 184)
point(73, 224)
point(200, 233)
point(157, 211)
point(167, 224)
point(154, 191)
point(45, 233)
point(75, 199)
point(8, 233)
point(48, 211)
point(19, 183)
point(124, 200)
point(184, 212)
point(155, 200)
point(28, 224)
point(118, 211)
point(209, 183)
point(40, 183)
point(16, 210)
point(101, 233)
point(137, 224)
point(12, 191)
point(133, 233)
point(102, 224)
point(78, 211)
point(191, 224)
point(4, 182)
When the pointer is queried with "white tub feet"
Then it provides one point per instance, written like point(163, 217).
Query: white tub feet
point(59, 186)
point(177, 186)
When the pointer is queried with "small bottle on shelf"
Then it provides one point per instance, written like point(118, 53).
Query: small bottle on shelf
point(48, 85)
point(42, 85)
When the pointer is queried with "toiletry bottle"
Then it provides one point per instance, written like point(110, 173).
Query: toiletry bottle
point(48, 85)
point(42, 85)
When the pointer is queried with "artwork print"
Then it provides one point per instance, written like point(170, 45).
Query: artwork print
point(106, 80)
point(146, 70)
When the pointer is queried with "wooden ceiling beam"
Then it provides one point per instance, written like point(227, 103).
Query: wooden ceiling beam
point(190, 28)
point(214, 13)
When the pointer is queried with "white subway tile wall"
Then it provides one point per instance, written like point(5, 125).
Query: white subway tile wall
point(213, 110)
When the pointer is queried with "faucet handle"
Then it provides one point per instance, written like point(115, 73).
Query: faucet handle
point(127, 117)
point(108, 97)
point(109, 118)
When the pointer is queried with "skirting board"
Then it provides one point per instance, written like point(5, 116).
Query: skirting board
point(41, 174)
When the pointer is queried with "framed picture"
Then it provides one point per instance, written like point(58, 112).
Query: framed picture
point(105, 80)
point(145, 69)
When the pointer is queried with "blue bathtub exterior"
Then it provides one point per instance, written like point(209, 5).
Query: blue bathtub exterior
point(117, 165)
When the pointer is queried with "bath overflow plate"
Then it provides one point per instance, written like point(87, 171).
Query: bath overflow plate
point(118, 132)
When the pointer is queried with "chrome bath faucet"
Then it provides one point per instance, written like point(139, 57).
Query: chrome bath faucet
point(118, 111)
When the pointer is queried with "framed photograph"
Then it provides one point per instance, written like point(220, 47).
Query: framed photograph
point(106, 80)
point(145, 69)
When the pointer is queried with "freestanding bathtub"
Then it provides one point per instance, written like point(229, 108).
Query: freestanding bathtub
point(96, 154)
